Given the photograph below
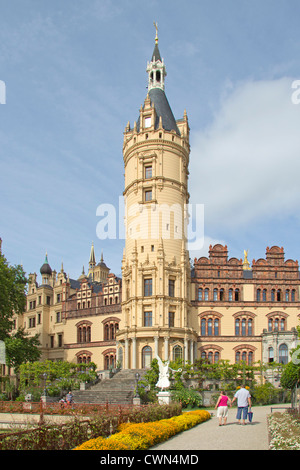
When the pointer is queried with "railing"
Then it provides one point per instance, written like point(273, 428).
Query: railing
point(57, 408)
point(103, 421)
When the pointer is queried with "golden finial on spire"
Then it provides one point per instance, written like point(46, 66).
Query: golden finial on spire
point(156, 28)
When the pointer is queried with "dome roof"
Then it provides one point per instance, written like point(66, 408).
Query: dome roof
point(46, 269)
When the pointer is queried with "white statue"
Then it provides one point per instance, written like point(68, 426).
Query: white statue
point(163, 379)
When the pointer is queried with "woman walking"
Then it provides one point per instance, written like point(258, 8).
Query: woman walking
point(222, 405)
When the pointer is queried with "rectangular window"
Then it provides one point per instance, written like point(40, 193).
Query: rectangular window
point(147, 318)
point(32, 322)
point(148, 172)
point(171, 287)
point(147, 287)
point(148, 195)
point(171, 319)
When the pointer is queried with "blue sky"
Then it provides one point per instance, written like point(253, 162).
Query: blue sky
point(75, 74)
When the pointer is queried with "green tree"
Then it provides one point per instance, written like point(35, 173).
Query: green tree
point(20, 348)
point(290, 376)
point(12, 294)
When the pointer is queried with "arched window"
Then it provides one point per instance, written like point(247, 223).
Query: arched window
point(203, 327)
point(84, 357)
point(293, 295)
point(215, 295)
point(270, 324)
point(258, 292)
point(209, 327)
point(278, 295)
point(83, 333)
point(110, 329)
point(245, 355)
point(210, 324)
point(287, 295)
point(250, 323)
point(230, 295)
point(283, 354)
point(243, 325)
point(177, 352)
point(221, 295)
point(210, 355)
point(273, 295)
point(206, 294)
point(264, 295)
point(200, 294)
point(146, 356)
point(237, 327)
point(216, 327)
point(110, 360)
point(277, 321)
point(250, 358)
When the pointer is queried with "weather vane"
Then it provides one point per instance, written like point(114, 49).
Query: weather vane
point(156, 28)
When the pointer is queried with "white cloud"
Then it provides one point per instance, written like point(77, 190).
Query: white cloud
point(245, 166)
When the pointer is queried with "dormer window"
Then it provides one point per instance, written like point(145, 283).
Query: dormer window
point(147, 122)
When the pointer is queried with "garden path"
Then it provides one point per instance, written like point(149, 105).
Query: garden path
point(210, 436)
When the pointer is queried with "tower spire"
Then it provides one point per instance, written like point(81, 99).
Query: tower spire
point(156, 28)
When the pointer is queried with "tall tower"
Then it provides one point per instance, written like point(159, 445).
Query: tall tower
point(155, 266)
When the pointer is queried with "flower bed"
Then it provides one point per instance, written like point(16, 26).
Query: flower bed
point(284, 432)
point(142, 436)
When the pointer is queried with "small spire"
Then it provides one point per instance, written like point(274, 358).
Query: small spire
point(156, 28)
point(92, 261)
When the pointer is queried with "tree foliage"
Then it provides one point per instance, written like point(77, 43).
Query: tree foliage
point(56, 376)
point(21, 348)
point(12, 295)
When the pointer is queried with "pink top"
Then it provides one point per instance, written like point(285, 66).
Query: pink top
point(223, 401)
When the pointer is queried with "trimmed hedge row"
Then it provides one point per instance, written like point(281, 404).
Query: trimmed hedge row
point(142, 436)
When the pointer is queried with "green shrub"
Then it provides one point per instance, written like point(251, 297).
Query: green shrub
point(187, 397)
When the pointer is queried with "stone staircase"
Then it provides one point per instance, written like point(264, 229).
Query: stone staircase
point(117, 390)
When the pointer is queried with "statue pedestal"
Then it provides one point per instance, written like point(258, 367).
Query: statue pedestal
point(136, 401)
point(164, 398)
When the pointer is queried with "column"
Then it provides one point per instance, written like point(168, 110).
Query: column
point(126, 365)
point(155, 346)
point(134, 352)
point(166, 348)
point(192, 351)
point(186, 351)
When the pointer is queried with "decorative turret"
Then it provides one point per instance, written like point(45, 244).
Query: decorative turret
point(46, 271)
point(156, 68)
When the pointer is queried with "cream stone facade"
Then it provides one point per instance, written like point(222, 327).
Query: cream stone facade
point(221, 308)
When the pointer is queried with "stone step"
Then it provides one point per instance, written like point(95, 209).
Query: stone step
point(117, 390)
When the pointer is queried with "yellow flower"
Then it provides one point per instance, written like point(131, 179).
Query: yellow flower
point(141, 436)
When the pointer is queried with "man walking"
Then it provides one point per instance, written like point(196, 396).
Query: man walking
point(243, 398)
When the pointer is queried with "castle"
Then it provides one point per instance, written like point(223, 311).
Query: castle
point(220, 308)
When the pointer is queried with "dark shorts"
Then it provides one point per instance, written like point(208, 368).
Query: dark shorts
point(242, 410)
